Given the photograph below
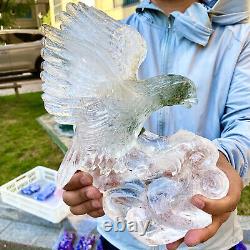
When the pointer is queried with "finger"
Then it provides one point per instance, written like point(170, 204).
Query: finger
point(97, 213)
point(197, 236)
point(175, 245)
point(86, 207)
point(215, 207)
point(74, 198)
point(79, 180)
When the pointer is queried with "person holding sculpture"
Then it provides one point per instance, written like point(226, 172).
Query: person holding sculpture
point(209, 42)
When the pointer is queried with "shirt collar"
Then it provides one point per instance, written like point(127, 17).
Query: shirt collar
point(194, 24)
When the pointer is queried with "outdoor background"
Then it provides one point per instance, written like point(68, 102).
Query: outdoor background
point(24, 144)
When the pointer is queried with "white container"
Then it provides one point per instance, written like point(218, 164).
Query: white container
point(53, 209)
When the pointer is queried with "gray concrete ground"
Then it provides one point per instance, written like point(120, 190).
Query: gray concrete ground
point(20, 230)
point(245, 225)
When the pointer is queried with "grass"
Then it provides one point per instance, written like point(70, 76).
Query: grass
point(244, 205)
point(24, 144)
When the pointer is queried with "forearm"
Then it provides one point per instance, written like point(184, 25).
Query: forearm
point(234, 140)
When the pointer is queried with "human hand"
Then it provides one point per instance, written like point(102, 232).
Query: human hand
point(219, 209)
point(82, 196)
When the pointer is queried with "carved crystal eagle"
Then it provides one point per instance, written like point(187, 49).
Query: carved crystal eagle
point(90, 80)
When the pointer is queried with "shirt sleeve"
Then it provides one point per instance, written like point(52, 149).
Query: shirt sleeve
point(235, 122)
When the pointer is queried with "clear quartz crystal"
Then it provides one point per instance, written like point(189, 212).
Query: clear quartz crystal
point(90, 80)
point(159, 191)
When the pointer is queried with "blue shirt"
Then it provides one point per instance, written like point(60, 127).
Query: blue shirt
point(210, 44)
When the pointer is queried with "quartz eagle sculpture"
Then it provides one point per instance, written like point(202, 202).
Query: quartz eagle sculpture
point(90, 80)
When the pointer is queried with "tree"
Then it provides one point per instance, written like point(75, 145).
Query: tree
point(12, 9)
point(46, 19)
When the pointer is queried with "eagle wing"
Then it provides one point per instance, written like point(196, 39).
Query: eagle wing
point(89, 56)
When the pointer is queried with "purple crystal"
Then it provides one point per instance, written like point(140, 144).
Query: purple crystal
point(46, 192)
point(86, 243)
point(34, 187)
point(26, 191)
point(67, 241)
point(31, 189)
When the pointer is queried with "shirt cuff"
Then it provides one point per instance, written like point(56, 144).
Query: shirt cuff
point(237, 155)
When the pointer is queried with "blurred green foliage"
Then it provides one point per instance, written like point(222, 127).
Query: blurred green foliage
point(10, 10)
point(46, 19)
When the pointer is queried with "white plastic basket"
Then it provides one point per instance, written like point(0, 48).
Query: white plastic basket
point(53, 209)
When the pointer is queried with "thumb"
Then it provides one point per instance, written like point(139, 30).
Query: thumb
point(212, 206)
